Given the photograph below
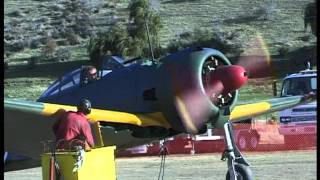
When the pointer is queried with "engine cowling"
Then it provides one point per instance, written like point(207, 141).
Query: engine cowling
point(184, 88)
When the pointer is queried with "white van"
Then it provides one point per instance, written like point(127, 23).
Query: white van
point(298, 125)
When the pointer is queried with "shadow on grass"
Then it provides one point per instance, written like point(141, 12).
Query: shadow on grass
point(178, 1)
point(243, 19)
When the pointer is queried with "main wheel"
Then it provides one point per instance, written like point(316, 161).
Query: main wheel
point(254, 141)
point(243, 172)
point(242, 142)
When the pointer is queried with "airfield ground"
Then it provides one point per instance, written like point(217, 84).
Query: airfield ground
point(284, 165)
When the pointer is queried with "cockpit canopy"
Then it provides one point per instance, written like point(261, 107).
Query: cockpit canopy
point(80, 77)
point(64, 83)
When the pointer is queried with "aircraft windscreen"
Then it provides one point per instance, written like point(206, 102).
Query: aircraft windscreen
point(67, 81)
point(299, 86)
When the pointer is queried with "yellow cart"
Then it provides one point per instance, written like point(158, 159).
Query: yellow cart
point(99, 163)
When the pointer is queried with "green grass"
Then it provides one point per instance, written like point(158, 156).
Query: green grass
point(30, 91)
point(79, 53)
point(26, 88)
point(24, 55)
point(258, 89)
point(254, 93)
point(284, 26)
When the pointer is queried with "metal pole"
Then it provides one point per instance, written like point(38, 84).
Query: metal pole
point(150, 45)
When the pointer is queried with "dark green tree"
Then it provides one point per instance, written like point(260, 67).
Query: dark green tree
point(114, 42)
point(140, 14)
point(129, 40)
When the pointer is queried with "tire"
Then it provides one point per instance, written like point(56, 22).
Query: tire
point(242, 142)
point(254, 142)
point(243, 172)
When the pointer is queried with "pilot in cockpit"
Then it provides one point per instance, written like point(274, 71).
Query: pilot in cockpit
point(90, 74)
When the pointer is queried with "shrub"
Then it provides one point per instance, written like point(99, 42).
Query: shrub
point(35, 43)
point(283, 50)
point(114, 42)
point(63, 54)
point(310, 17)
point(94, 49)
point(49, 48)
point(206, 38)
point(265, 11)
point(73, 39)
point(109, 5)
point(129, 40)
point(140, 15)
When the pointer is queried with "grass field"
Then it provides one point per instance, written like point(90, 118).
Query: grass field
point(286, 165)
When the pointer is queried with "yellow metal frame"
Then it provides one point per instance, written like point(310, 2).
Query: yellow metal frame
point(98, 137)
point(98, 163)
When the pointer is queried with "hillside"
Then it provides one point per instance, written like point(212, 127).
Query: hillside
point(29, 24)
point(34, 27)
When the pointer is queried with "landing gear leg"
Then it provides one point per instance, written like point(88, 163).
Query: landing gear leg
point(238, 167)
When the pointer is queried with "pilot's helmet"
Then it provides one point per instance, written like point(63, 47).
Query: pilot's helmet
point(84, 106)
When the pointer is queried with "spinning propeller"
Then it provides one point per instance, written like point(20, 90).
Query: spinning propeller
point(203, 81)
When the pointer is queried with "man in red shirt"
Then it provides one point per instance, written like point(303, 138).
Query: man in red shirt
point(73, 128)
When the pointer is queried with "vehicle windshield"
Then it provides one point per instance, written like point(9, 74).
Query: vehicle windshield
point(299, 86)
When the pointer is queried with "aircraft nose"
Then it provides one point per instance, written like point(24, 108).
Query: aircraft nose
point(231, 78)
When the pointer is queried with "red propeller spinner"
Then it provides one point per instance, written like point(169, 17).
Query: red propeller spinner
point(226, 79)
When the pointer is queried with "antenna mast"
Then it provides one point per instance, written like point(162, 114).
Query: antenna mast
point(308, 65)
point(150, 45)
